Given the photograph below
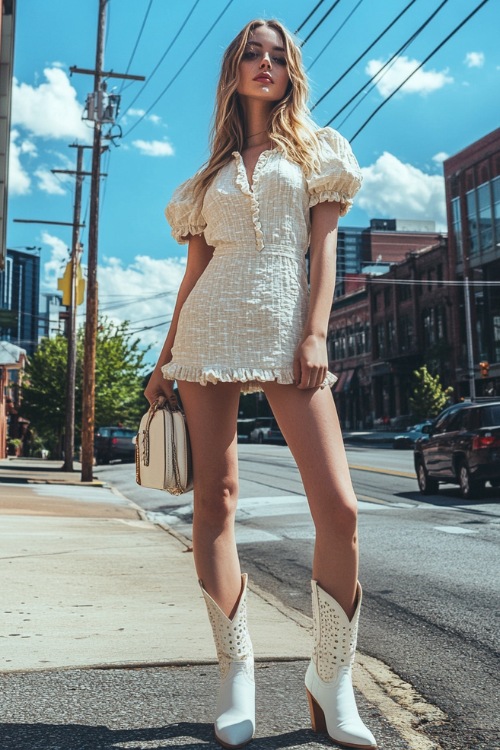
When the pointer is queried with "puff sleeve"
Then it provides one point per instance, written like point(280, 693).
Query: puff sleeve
point(184, 213)
point(339, 176)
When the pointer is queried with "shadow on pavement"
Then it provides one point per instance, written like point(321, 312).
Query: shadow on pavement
point(185, 735)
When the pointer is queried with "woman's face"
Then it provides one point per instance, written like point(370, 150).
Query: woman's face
point(263, 72)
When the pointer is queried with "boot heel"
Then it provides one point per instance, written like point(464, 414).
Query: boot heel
point(317, 715)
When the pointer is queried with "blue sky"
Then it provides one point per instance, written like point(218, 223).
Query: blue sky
point(450, 103)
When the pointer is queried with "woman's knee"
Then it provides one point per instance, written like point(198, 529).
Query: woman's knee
point(216, 499)
point(340, 518)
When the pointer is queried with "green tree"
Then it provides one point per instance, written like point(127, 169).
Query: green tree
point(429, 396)
point(120, 371)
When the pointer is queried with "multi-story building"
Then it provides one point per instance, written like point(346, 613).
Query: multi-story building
point(19, 299)
point(384, 241)
point(380, 333)
point(473, 202)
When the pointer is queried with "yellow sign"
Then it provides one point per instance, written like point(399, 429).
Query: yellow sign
point(64, 285)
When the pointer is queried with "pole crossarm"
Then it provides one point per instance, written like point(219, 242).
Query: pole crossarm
point(74, 171)
point(42, 221)
point(105, 73)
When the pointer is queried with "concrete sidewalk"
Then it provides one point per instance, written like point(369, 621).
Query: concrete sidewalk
point(102, 621)
point(102, 586)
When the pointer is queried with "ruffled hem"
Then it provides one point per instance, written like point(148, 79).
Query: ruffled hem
point(250, 377)
point(331, 196)
point(180, 234)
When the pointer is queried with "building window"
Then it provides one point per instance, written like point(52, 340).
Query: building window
point(404, 290)
point(391, 336)
point(485, 217)
point(441, 324)
point(473, 232)
point(428, 319)
point(406, 334)
point(457, 226)
point(495, 189)
point(379, 341)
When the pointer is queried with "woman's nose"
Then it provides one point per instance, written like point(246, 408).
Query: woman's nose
point(266, 60)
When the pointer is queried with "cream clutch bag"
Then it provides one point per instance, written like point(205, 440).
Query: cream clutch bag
point(162, 450)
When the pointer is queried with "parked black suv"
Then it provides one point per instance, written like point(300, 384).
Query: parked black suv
point(114, 442)
point(462, 447)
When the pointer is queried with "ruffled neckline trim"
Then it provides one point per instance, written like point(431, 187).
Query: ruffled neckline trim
point(244, 185)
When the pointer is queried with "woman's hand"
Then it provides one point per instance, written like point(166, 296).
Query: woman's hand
point(310, 364)
point(158, 387)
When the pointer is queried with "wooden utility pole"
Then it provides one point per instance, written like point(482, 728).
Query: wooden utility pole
point(88, 394)
point(99, 115)
point(69, 433)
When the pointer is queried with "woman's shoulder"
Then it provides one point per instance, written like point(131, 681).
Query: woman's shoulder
point(330, 138)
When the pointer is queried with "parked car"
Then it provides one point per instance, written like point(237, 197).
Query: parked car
point(114, 442)
point(409, 438)
point(267, 430)
point(245, 427)
point(462, 446)
point(261, 427)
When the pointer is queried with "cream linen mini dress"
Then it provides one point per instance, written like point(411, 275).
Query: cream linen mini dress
point(245, 317)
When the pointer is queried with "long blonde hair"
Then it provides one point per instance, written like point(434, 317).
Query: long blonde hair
point(290, 126)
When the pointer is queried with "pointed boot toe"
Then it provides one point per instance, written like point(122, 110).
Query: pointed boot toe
point(328, 680)
point(235, 716)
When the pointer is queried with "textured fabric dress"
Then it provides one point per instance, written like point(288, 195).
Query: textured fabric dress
point(245, 317)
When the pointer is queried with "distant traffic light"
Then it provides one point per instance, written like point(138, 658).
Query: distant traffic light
point(484, 367)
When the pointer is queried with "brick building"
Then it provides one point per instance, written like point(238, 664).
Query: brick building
point(390, 326)
point(473, 204)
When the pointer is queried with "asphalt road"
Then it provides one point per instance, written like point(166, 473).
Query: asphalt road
point(429, 568)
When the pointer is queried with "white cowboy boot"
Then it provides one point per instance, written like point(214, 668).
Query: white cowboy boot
point(329, 674)
point(235, 720)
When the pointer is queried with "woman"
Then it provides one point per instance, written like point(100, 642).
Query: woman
point(245, 320)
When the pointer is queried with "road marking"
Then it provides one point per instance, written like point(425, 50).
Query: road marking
point(376, 470)
point(455, 530)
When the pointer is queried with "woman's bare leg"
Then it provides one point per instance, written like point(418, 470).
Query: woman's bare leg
point(211, 414)
point(309, 422)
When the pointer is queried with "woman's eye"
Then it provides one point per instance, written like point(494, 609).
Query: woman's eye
point(249, 55)
point(279, 60)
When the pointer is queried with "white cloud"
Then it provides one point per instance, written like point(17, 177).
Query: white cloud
point(51, 109)
point(154, 148)
point(392, 188)
point(440, 157)
point(422, 82)
point(143, 292)
point(136, 112)
point(50, 183)
point(19, 179)
point(156, 119)
point(54, 267)
point(474, 59)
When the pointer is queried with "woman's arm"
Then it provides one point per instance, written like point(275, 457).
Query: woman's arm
point(311, 358)
point(199, 256)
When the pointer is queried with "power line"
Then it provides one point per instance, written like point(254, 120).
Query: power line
point(137, 42)
point(332, 7)
point(370, 46)
point(386, 66)
point(335, 34)
point(176, 36)
point(181, 68)
point(309, 16)
point(436, 49)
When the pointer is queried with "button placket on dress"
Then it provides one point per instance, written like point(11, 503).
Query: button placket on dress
point(244, 185)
